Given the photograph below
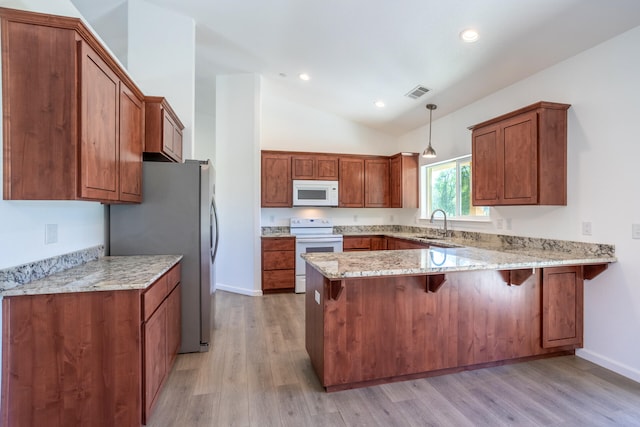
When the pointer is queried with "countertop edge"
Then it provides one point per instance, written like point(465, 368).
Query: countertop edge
point(77, 279)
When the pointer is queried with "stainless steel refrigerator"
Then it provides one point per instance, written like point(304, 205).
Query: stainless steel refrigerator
point(177, 216)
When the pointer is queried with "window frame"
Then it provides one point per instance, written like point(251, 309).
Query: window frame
point(425, 185)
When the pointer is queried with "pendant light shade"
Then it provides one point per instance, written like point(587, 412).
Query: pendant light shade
point(429, 152)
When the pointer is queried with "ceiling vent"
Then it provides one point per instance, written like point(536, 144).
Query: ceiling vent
point(417, 92)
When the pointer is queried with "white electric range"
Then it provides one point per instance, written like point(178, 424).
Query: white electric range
point(312, 235)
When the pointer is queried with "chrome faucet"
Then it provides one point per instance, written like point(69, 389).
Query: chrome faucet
point(444, 214)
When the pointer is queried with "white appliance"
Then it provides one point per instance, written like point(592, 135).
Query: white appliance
point(315, 193)
point(312, 235)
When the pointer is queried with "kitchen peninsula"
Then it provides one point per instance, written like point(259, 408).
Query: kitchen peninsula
point(382, 316)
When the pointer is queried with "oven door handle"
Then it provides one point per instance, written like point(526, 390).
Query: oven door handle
point(317, 240)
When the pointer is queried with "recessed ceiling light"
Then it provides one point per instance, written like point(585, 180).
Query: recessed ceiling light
point(469, 35)
point(379, 103)
point(304, 76)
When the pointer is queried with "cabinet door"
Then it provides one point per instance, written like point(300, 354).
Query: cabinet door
point(487, 158)
point(155, 356)
point(378, 243)
point(131, 145)
point(356, 243)
point(351, 185)
point(327, 168)
point(40, 104)
point(376, 183)
point(276, 181)
point(519, 138)
point(99, 132)
point(403, 180)
point(303, 167)
point(177, 143)
point(395, 182)
point(174, 325)
point(168, 128)
point(562, 306)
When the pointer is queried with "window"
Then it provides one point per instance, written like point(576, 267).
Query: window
point(447, 186)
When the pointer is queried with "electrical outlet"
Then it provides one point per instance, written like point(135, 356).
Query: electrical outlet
point(272, 218)
point(499, 223)
point(586, 228)
point(355, 218)
point(391, 219)
point(508, 223)
point(50, 234)
point(635, 231)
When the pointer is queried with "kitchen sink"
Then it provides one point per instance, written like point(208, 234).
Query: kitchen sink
point(439, 243)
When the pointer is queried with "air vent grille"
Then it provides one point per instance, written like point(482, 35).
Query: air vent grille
point(417, 92)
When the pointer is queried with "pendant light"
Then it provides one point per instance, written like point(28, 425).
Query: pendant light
point(429, 152)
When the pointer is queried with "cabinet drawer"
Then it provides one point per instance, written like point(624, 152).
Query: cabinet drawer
point(153, 297)
point(278, 260)
point(278, 279)
point(173, 277)
point(279, 244)
point(356, 243)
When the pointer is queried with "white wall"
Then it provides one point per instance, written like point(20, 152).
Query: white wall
point(161, 60)
point(603, 87)
point(290, 126)
point(238, 182)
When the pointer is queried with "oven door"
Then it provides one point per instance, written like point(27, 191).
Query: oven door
point(312, 244)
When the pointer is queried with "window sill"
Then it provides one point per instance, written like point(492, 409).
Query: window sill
point(484, 219)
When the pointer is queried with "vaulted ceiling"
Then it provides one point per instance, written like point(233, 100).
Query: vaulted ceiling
point(360, 51)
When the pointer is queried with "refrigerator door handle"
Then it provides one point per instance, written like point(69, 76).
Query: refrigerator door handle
point(213, 223)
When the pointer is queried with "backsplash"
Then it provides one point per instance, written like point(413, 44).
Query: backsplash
point(485, 240)
point(16, 276)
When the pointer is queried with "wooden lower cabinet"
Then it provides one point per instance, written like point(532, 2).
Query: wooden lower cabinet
point(474, 319)
point(278, 264)
point(364, 243)
point(86, 358)
point(394, 243)
point(562, 305)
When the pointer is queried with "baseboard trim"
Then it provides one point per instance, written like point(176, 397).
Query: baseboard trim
point(237, 290)
point(612, 365)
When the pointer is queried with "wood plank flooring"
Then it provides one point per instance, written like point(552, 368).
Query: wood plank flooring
point(257, 373)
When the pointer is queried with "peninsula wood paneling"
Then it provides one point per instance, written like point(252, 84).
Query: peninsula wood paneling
point(386, 327)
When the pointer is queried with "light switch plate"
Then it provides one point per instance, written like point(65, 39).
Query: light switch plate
point(586, 228)
point(635, 231)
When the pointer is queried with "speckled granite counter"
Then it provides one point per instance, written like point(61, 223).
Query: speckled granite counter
point(110, 273)
point(439, 260)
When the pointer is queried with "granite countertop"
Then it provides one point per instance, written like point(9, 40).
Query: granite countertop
point(109, 273)
point(441, 260)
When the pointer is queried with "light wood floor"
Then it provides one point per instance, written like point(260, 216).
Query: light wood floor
point(257, 373)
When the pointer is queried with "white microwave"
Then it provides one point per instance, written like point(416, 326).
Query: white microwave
point(315, 193)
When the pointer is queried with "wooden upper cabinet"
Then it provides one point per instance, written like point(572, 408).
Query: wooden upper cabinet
point(63, 117)
point(99, 133)
point(376, 183)
point(315, 166)
point(276, 185)
point(163, 131)
point(403, 180)
point(131, 145)
point(351, 185)
point(520, 158)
